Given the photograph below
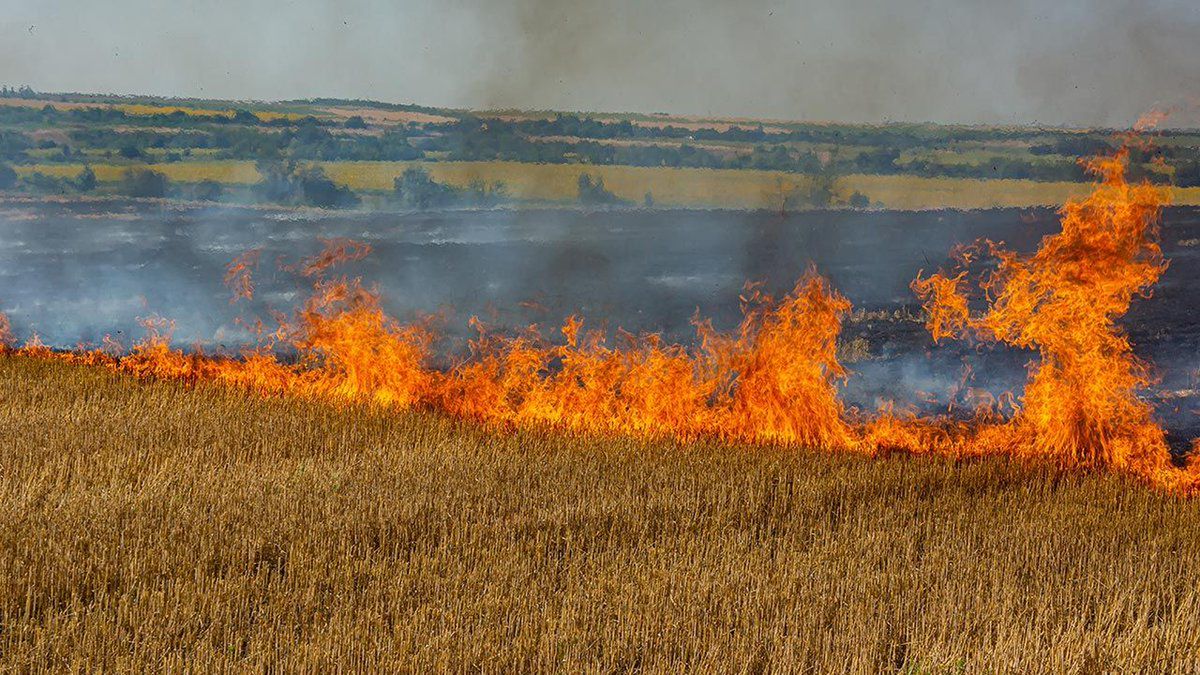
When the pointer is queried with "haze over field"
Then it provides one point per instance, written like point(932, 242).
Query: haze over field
point(1076, 62)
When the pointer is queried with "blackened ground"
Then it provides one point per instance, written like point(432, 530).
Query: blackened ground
point(73, 272)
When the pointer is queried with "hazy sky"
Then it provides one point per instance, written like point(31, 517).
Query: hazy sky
point(1048, 61)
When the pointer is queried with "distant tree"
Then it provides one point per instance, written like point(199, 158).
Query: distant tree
point(46, 184)
point(481, 193)
point(822, 189)
point(417, 190)
point(859, 201)
point(86, 180)
point(245, 117)
point(8, 177)
point(288, 183)
point(1187, 174)
point(143, 183)
point(355, 122)
point(130, 151)
point(275, 183)
point(208, 191)
point(648, 200)
point(318, 190)
point(593, 192)
point(13, 145)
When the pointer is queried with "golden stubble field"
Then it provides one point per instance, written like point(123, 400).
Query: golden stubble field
point(150, 526)
point(700, 188)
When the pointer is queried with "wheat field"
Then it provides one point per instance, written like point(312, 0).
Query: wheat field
point(149, 526)
point(698, 188)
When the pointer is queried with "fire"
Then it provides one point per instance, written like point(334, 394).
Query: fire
point(774, 380)
point(1081, 404)
point(239, 275)
point(785, 361)
point(6, 336)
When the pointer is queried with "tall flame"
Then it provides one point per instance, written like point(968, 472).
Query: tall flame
point(1081, 404)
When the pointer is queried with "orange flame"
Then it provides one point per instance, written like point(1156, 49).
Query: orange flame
point(6, 336)
point(773, 380)
point(239, 275)
point(336, 251)
point(1081, 404)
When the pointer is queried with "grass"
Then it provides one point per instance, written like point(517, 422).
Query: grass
point(151, 526)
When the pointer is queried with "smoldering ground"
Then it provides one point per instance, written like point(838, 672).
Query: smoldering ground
point(74, 273)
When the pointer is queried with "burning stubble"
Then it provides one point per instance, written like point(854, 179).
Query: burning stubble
point(774, 380)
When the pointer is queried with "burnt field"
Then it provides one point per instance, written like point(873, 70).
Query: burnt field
point(74, 272)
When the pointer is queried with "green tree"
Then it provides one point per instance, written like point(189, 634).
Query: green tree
point(593, 192)
point(275, 183)
point(46, 184)
point(143, 183)
point(86, 180)
point(290, 183)
point(415, 189)
point(317, 189)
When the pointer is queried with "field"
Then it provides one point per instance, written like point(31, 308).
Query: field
point(707, 188)
point(680, 161)
point(141, 108)
point(147, 526)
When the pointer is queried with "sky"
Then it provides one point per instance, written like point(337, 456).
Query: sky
point(1058, 62)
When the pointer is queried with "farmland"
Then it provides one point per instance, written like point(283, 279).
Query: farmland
point(340, 148)
point(149, 526)
point(705, 188)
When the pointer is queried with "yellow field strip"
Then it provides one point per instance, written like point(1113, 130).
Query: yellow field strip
point(715, 188)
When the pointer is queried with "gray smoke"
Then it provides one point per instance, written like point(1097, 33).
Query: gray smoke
point(1078, 62)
